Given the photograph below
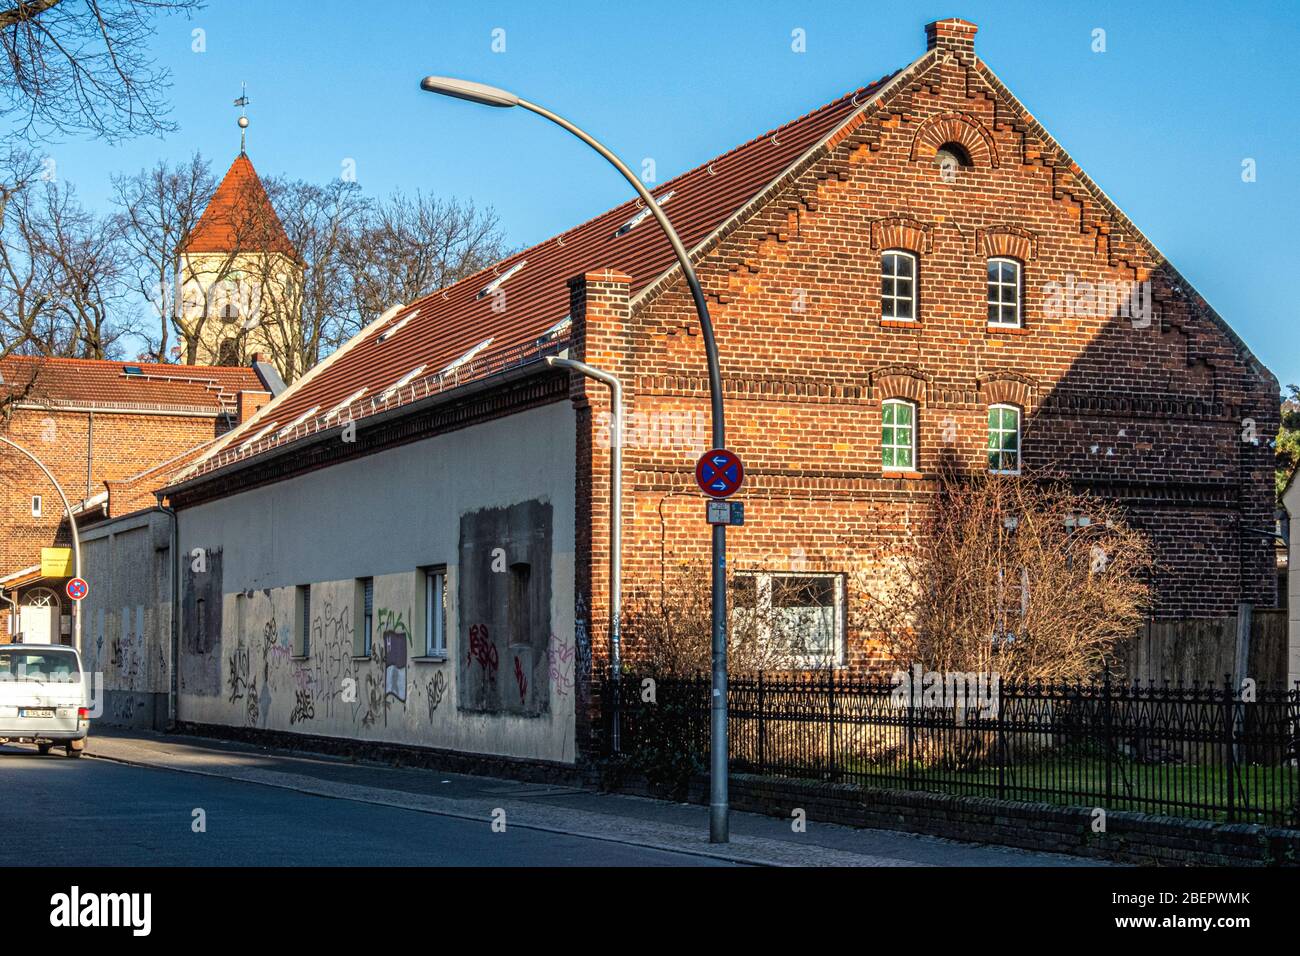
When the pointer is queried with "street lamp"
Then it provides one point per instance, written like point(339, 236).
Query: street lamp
point(491, 96)
point(76, 539)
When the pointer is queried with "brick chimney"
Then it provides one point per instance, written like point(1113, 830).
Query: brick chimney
point(951, 35)
point(249, 403)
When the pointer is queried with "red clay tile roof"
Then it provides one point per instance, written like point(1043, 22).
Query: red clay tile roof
point(106, 385)
point(443, 326)
point(240, 217)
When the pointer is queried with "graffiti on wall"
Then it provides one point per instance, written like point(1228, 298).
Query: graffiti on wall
point(434, 690)
point(560, 659)
point(304, 706)
point(482, 649)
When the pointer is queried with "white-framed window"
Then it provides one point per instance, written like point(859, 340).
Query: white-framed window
point(799, 617)
point(1004, 292)
point(1004, 439)
point(898, 285)
point(897, 435)
point(435, 611)
point(36, 506)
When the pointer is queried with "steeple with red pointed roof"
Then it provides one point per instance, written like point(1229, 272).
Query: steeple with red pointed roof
point(240, 217)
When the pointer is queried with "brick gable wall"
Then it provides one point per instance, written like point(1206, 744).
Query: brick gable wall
point(1152, 415)
point(123, 445)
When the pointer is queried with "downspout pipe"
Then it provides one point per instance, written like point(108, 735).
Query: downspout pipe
point(174, 690)
point(615, 527)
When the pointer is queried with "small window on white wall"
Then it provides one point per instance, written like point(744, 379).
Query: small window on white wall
point(36, 506)
point(435, 612)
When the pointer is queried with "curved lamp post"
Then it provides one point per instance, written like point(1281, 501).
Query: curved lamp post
point(492, 96)
point(76, 539)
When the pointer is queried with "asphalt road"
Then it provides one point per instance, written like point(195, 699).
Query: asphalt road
point(113, 814)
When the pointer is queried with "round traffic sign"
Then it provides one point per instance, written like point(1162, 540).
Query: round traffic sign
point(719, 473)
point(77, 589)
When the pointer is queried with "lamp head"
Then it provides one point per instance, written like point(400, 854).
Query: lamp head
point(479, 93)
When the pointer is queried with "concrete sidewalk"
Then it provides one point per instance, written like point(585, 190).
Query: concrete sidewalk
point(633, 821)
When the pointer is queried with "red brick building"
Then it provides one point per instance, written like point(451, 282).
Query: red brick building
point(96, 425)
point(910, 275)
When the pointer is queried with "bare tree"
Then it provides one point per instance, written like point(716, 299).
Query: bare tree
point(303, 314)
point(87, 258)
point(61, 276)
point(82, 66)
point(157, 211)
point(409, 246)
point(1019, 575)
point(26, 279)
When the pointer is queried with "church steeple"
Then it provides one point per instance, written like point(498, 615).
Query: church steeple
point(240, 217)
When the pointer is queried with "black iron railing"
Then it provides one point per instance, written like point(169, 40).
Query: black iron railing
point(1206, 752)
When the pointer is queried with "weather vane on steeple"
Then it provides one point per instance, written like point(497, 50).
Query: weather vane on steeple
point(242, 103)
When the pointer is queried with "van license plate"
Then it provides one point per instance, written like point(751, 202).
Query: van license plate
point(36, 712)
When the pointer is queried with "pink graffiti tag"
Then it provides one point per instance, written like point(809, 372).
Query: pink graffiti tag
point(522, 680)
point(481, 649)
point(561, 660)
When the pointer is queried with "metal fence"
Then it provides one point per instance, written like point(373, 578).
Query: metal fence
point(1191, 751)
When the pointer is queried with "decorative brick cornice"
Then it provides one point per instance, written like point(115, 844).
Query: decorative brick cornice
point(960, 128)
point(900, 232)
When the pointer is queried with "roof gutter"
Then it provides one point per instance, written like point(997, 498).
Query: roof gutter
point(496, 380)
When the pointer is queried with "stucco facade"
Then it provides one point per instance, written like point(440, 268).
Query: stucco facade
point(262, 554)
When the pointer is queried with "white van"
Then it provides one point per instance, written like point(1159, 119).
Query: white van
point(43, 697)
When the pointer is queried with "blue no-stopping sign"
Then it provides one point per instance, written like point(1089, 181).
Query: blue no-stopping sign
point(719, 473)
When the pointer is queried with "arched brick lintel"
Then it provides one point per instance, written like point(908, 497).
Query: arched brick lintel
point(1006, 241)
point(956, 128)
point(898, 384)
point(900, 232)
point(1009, 390)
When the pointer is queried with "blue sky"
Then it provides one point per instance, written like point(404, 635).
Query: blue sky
point(1162, 120)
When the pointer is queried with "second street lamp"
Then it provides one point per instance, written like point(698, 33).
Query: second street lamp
point(492, 96)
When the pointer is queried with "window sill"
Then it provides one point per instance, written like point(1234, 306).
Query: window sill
point(300, 657)
point(430, 659)
point(900, 324)
point(361, 657)
point(1007, 329)
point(906, 475)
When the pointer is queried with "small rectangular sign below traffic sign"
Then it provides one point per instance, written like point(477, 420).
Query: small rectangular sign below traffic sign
point(725, 512)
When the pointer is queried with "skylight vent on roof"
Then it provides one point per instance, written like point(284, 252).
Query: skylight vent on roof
point(396, 327)
point(500, 280)
point(456, 364)
point(297, 421)
point(401, 383)
point(249, 442)
point(337, 410)
point(132, 370)
point(556, 330)
point(642, 216)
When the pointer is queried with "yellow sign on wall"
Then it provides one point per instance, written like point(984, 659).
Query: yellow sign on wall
point(56, 562)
